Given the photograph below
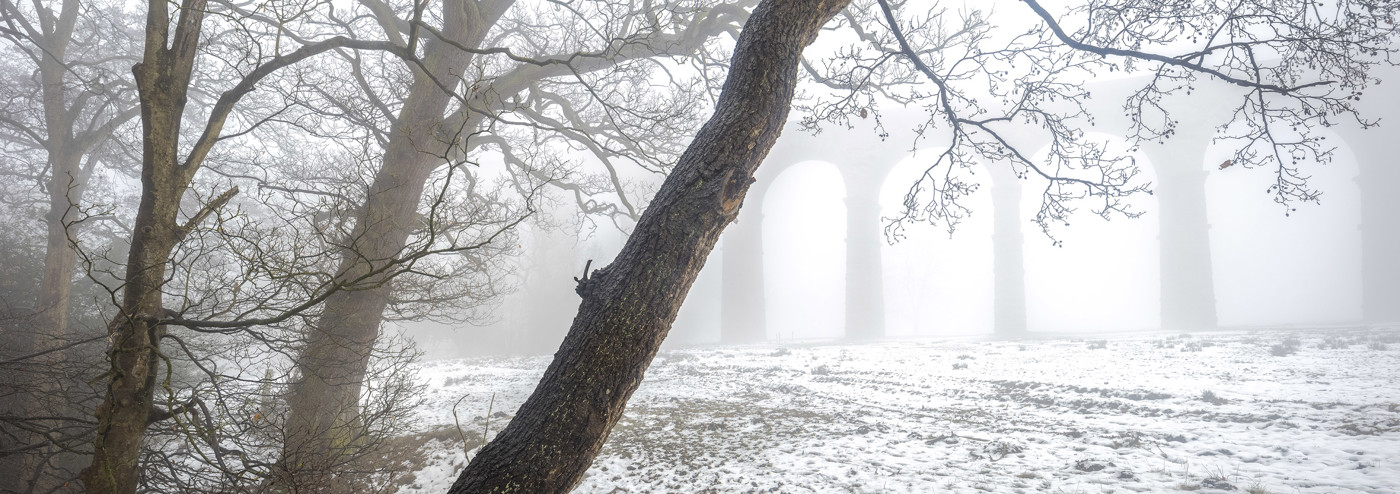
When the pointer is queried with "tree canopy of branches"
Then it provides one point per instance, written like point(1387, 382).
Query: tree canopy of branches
point(988, 83)
point(486, 78)
point(164, 78)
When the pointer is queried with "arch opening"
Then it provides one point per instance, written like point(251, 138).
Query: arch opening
point(1275, 265)
point(1105, 274)
point(804, 253)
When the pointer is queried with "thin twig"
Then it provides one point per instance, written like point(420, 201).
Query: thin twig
point(486, 429)
point(466, 447)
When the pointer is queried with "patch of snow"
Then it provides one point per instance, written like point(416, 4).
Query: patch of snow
point(1129, 413)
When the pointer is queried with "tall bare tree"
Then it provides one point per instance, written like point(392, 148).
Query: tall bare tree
point(172, 46)
point(628, 306)
point(70, 104)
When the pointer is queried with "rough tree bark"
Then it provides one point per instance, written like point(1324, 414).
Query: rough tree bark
point(162, 79)
point(628, 306)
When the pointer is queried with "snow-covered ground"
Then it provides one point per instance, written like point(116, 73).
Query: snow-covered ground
point(1277, 411)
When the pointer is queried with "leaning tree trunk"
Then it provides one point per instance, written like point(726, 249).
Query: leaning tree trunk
point(628, 306)
point(323, 404)
point(323, 417)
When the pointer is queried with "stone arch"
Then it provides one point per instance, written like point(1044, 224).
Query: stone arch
point(935, 282)
point(1099, 278)
point(863, 160)
point(1378, 173)
point(803, 269)
point(698, 321)
point(1186, 280)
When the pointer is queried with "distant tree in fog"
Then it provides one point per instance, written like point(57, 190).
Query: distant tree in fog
point(64, 97)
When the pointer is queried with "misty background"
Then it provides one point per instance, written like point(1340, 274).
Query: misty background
point(1267, 264)
point(212, 212)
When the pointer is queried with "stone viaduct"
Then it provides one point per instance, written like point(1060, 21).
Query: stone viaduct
point(1187, 290)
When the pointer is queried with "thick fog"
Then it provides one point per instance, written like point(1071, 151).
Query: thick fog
point(411, 246)
point(1267, 264)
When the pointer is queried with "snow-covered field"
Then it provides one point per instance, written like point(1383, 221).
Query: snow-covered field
point(1278, 411)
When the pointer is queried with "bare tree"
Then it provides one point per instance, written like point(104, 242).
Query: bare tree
point(69, 103)
point(173, 44)
point(192, 244)
point(1295, 62)
point(214, 295)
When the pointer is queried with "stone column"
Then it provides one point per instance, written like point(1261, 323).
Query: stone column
point(1379, 174)
point(742, 315)
point(865, 293)
point(1187, 280)
point(1008, 254)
